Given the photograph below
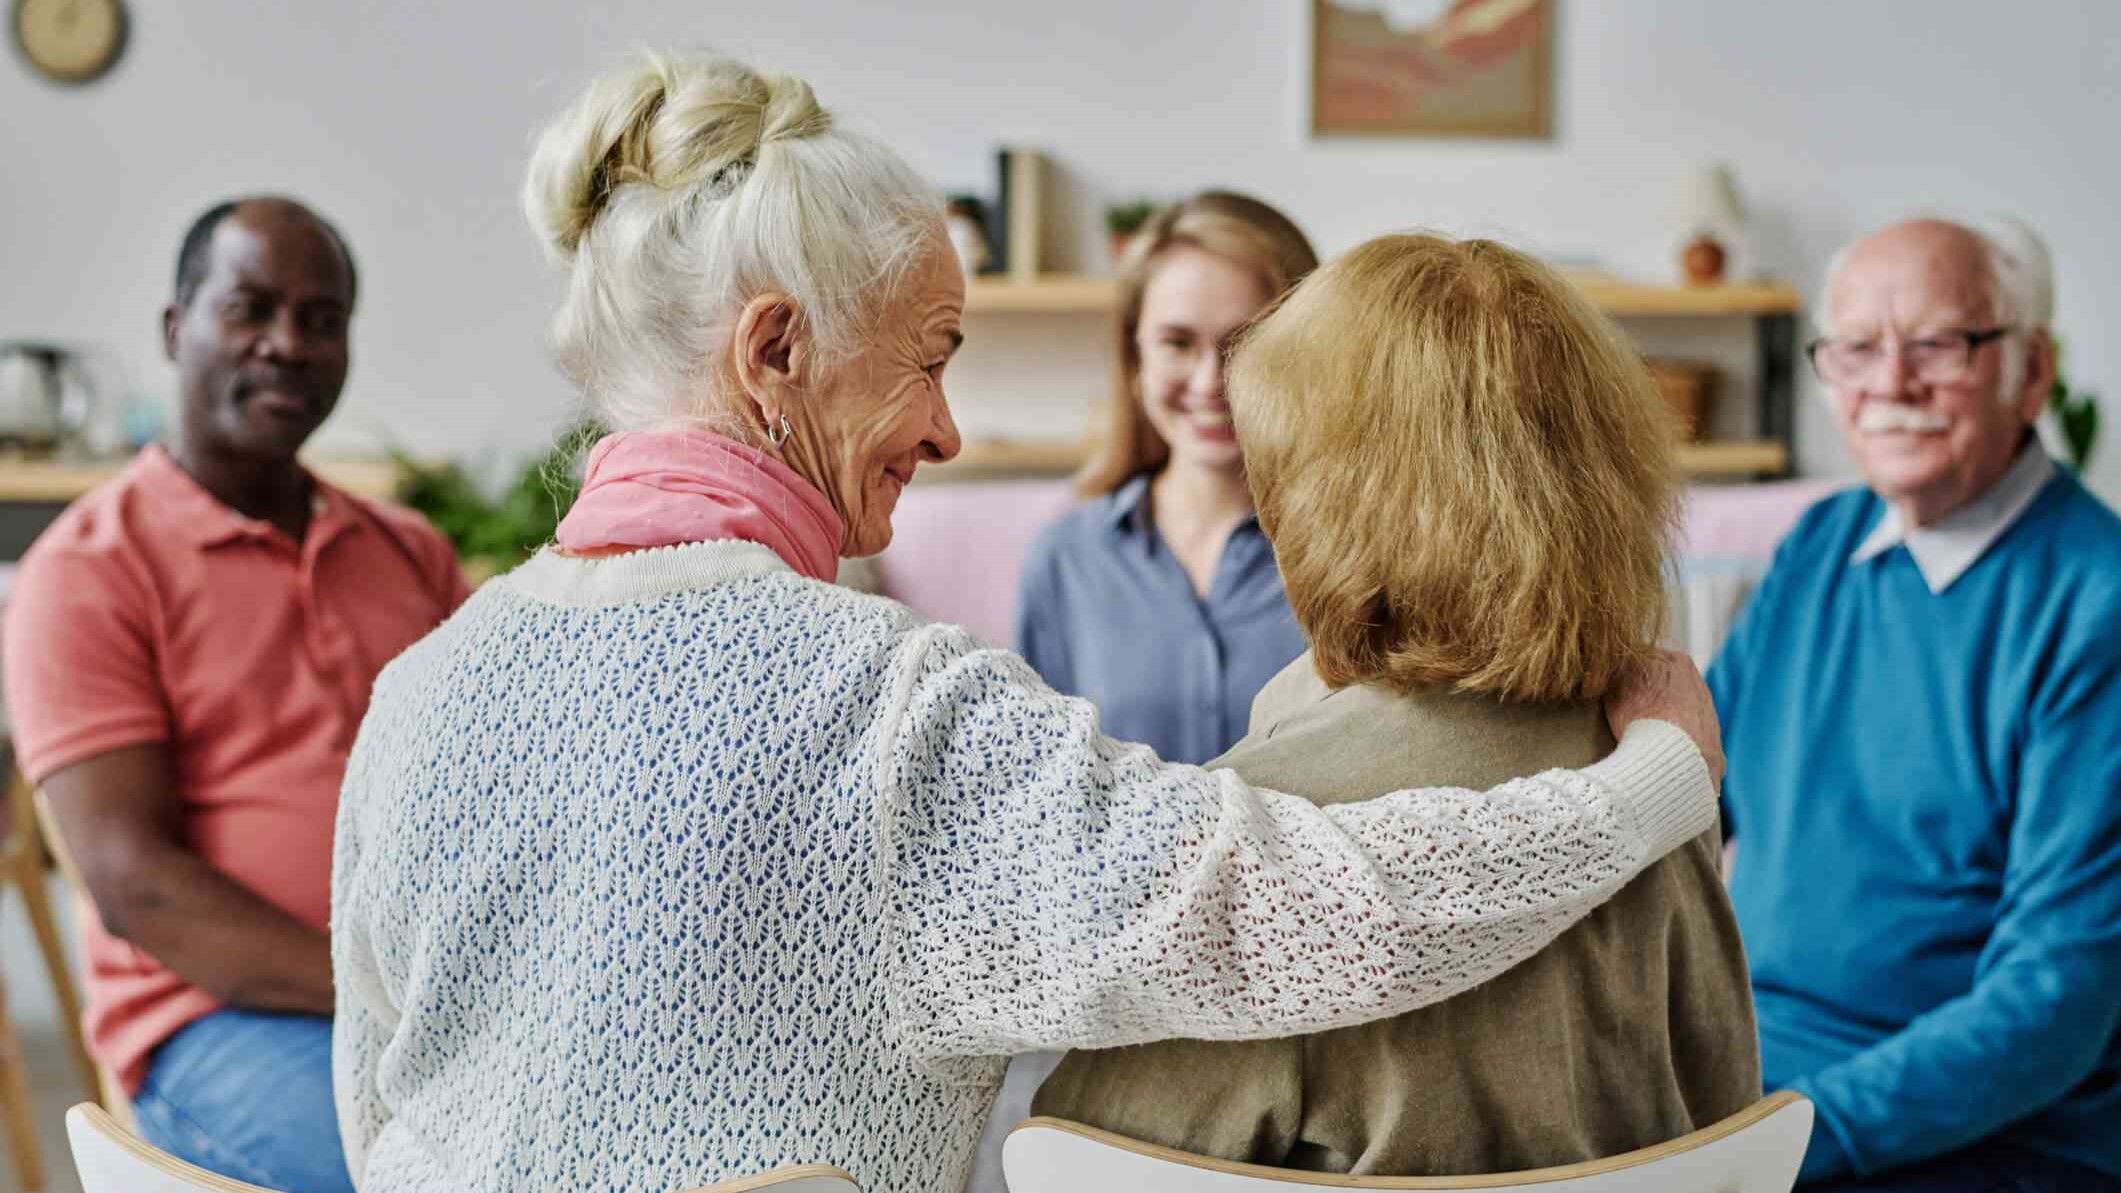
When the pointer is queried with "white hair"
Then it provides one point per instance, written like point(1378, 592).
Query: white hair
point(2021, 285)
point(677, 190)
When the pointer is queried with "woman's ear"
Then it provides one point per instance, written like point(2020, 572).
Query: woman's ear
point(768, 353)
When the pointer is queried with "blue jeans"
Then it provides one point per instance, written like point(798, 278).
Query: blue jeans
point(1992, 1167)
point(247, 1094)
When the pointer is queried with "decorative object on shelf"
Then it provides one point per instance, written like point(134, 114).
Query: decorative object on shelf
point(1123, 220)
point(70, 41)
point(966, 222)
point(1024, 200)
point(1481, 68)
point(142, 420)
point(1015, 222)
point(1772, 309)
point(48, 400)
point(1689, 388)
point(1713, 225)
point(2076, 416)
point(1702, 262)
point(493, 535)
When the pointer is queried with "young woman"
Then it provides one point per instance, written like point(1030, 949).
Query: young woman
point(1158, 600)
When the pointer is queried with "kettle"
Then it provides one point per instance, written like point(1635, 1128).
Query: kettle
point(46, 396)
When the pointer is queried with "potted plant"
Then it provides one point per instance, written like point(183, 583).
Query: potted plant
point(2076, 416)
point(1123, 220)
point(966, 222)
point(492, 535)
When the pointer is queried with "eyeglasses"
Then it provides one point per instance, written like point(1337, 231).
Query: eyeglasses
point(1940, 358)
point(1170, 354)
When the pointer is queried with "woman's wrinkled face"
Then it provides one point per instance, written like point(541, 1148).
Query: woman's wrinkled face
point(871, 422)
point(1192, 308)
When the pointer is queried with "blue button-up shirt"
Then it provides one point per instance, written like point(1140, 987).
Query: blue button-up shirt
point(1108, 613)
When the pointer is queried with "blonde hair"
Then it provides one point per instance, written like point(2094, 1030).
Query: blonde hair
point(1466, 472)
point(676, 190)
point(1241, 230)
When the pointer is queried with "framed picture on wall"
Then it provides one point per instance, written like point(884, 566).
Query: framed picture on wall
point(1432, 68)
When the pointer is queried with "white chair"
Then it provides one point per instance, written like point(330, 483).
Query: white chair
point(1756, 1150)
point(802, 1178)
point(112, 1159)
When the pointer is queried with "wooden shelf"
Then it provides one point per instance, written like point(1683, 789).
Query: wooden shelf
point(1002, 459)
point(1617, 297)
point(996, 459)
point(1068, 293)
point(1734, 459)
point(58, 481)
point(1054, 293)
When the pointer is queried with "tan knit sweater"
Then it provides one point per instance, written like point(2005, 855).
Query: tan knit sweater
point(1635, 1027)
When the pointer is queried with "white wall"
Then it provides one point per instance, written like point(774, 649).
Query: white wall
point(409, 125)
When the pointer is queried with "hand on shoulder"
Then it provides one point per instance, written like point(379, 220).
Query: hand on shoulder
point(1669, 688)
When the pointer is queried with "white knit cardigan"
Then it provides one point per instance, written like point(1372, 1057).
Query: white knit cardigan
point(670, 867)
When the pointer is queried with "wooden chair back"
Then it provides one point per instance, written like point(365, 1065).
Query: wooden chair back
point(17, 1121)
point(1756, 1150)
point(108, 1090)
point(22, 864)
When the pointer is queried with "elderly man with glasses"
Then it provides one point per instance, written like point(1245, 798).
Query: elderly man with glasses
point(1922, 709)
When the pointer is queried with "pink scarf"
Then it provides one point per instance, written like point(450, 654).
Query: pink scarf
point(661, 488)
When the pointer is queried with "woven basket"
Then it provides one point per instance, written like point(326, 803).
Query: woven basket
point(1689, 388)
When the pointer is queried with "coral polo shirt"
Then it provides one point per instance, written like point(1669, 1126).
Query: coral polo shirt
point(151, 614)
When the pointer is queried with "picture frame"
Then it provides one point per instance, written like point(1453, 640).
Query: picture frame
point(1448, 68)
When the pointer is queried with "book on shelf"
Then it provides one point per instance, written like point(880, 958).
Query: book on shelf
point(1015, 222)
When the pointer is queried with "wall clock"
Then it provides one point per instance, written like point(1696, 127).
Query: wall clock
point(70, 41)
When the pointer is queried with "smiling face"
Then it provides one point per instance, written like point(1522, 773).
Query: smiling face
point(860, 433)
point(261, 345)
point(1929, 447)
point(1192, 307)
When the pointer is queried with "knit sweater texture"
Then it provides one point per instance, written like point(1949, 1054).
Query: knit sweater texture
point(1635, 1027)
point(672, 867)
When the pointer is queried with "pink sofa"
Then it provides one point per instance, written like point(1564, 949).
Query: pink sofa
point(957, 548)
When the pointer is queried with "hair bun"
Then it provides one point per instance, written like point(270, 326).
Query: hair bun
point(667, 124)
point(791, 112)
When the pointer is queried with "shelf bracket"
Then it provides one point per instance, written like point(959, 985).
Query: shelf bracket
point(1777, 335)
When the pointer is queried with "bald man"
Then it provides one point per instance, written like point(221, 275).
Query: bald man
point(1922, 709)
point(189, 652)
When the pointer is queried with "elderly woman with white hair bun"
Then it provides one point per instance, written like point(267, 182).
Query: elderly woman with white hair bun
point(667, 861)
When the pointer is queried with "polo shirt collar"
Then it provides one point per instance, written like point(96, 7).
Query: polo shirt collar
point(1945, 551)
point(198, 517)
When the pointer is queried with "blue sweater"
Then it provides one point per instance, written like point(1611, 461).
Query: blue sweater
point(1925, 791)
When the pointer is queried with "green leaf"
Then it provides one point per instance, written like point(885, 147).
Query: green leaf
point(508, 528)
